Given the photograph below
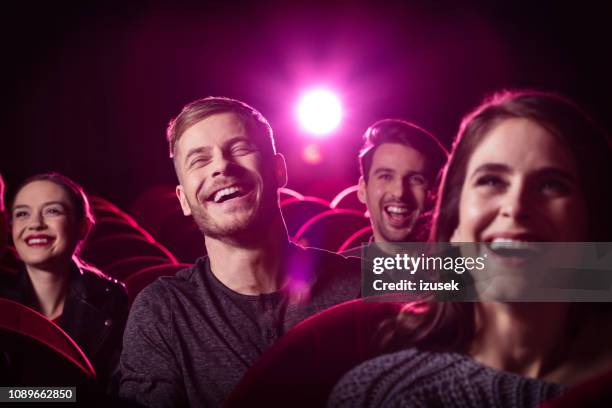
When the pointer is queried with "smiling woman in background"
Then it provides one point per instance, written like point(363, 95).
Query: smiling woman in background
point(50, 219)
point(526, 166)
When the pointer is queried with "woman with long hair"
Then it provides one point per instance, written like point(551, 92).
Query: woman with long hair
point(526, 166)
point(50, 219)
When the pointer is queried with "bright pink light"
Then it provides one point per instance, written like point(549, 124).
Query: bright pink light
point(312, 154)
point(319, 111)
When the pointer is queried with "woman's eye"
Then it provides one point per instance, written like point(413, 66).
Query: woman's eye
point(555, 187)
point(385, 177)
point(53, 211)
point(490, 181)
point(21, 214)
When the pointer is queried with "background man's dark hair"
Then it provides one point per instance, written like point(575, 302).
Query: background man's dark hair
point(405, 133)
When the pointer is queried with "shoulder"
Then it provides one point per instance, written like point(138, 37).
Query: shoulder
point(185, 282)
point(325, 261)
point(364, 385)
point(411, 377)
point(393, 379)
point(97, 284)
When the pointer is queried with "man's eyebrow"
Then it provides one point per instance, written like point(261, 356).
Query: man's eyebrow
point(239, 139)
point(195, 151)
point(383, 170)
point(20, 206)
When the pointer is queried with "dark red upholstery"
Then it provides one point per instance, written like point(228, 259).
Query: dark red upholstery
point(594, 393)
point(125, 267)
point(304, 365)
point(330, 229)
point(106, 226)
point(138, 281)
point(38, 352)
point(109, 249)
point(297, 211)
point(349, 199)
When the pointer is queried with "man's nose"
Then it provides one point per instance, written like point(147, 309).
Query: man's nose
point(219, 164)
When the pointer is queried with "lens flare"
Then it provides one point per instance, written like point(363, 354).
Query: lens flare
point(319, 112)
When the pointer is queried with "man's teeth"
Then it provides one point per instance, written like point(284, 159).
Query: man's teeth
point(397, 210)
point(508, 243)
point(34, 241)
point(226, 191)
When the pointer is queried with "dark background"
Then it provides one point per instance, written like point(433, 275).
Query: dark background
point(89, 88)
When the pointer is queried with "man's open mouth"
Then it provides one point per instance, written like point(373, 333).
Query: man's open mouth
point(398, 214)
point(227, 193)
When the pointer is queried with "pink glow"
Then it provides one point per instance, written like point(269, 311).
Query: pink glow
point(290, 192)
point(353, 237)
point(319, 112)
point(303, 198)
point(324, 214)
point(340, 196)
point(311, 154)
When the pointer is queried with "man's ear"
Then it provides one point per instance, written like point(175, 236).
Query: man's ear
point(361, 191)
point(180, 193)
point(280, 170)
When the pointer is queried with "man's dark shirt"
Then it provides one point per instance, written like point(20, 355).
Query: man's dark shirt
point(189, 338)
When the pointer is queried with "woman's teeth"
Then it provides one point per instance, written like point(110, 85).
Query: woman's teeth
point(37, 241)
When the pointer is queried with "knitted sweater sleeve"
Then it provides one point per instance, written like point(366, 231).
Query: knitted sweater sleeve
point(412, 378)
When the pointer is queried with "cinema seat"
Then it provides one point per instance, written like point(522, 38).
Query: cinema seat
point(593, 393)
point(297, 211)
point(153, 206)
point(113, 226)
point(10, 259)
point(138, 281)
point(35, 351)
point(182, 237)
point(348, 199)
point(330, 229)
point(104, 251)
point(357, 239)
point(123, 268)
point(302, 367)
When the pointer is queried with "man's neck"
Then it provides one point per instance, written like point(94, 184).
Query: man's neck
point(254, 268)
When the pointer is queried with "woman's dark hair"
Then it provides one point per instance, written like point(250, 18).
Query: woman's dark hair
point(78, 199)
point(451, 325)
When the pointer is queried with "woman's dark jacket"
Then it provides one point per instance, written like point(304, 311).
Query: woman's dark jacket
point(94, 315)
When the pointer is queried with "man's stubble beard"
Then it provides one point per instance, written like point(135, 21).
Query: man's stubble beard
point(244, 230)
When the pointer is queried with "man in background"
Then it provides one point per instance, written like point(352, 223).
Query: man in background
point(400, 164)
